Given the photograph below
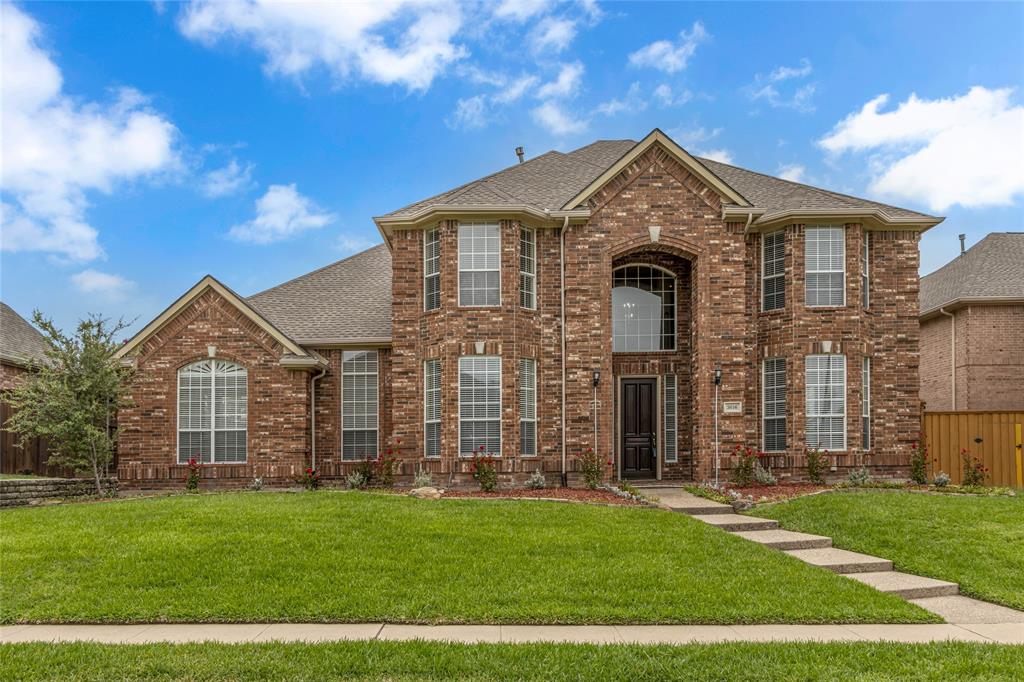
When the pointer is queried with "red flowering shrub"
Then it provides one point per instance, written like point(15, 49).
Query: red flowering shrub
point(310, 479)
point(592, 466)
point(974, 471)
point(743, 471)
point(484, 471)
point(192, 477)
point(919, 462)
point(384, 466)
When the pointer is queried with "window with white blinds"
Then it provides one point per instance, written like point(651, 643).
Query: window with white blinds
point(480, 404)
point(527, 407)
point(826, 401)
point(671, 417)
point(528, 268)
point(865, 404)
point(865, 269)
point(359, 404)
point(773, 271)
point(479, 264)
point(212, 412)
point(825, 266)
point(432, 408)
point(431, 270)
point(773, 405)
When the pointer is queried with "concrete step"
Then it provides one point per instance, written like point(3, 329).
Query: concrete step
point(906, 585)
point(960, 609)
point(735, 522)
point(785, 539)
point(700, 508)
point(841, 560)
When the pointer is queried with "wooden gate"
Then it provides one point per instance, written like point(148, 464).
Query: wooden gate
point(993, 437)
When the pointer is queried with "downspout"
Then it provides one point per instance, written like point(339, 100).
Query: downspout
point(952, 353)
point(561, 312)
point(312, 415)
point(750, 219)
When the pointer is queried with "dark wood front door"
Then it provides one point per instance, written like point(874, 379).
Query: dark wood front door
point(639, 428)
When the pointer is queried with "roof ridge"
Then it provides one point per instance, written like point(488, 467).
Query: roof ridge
point(803, 185)
point(313, 272)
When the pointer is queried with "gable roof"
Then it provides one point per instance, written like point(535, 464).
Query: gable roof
point(21, 344)
point(556, 182)
point(345, 302)
point(206, 283)
point(991, 270)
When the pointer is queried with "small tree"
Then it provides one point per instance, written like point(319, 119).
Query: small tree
point(72, 399)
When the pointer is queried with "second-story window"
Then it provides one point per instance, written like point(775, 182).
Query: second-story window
point(431, 270)
point(479, 264)
point(825, 266)
point(773, 271)
point(527, 268)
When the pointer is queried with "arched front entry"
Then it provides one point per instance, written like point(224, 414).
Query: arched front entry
point(651, 301)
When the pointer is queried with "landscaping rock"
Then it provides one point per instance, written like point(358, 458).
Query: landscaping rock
point(426, 493)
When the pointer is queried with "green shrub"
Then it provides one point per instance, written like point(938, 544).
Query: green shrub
point(536, 481)
point(485, 472)
point(815, 465)
point(974, 471)
point(192, 477)
point(592, 466)
point(919, 463)
point(743, 473)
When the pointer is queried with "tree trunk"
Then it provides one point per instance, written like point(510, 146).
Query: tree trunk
point(96, 472)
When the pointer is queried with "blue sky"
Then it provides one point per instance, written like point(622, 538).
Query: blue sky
point(147, 144)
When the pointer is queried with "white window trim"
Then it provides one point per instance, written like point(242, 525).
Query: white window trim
point(764, 402)
point(536, 434)
point(865, 403)
point(675, 309)
point(670, 427)
point(808, 415)
point(865, 264)
point(426, 275)
point(764, 263)
point(842, 270)
point(213, 413)
point(426, 410)
point(531, 275)
point(458, 256)
point(501, 401)
point(342, 397)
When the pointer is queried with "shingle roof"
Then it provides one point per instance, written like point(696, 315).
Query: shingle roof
point(991, 269)
point(20, 342)
point(548, 181)
point(347, 300)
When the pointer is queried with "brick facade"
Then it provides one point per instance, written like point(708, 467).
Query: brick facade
point(989, 358)
point(719, 324)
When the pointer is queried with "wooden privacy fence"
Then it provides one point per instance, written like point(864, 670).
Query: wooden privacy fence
point(993, 437)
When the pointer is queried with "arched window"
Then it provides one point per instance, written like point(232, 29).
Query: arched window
point(643, 309)
point(212, 405)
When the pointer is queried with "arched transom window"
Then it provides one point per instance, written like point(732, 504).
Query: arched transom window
point(643, 309)
point(212, 402)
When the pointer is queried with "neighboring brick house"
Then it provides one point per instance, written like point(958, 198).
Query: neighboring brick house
point(22, 346)
point(450, 335)
point(972, 309)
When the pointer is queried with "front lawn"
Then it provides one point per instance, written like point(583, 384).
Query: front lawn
point(336, 556)
point(441, 661)
point(975, 541)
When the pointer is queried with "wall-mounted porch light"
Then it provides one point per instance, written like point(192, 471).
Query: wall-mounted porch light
point(597, 377)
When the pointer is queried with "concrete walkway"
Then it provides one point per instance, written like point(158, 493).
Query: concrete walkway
point(1001, 633)
point(938, 596)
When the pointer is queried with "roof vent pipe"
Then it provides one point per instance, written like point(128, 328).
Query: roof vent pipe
point(521, 154)
point(962, 237)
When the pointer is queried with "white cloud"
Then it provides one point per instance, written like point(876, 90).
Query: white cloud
point(565, 85)
point(962, 150)
point(347, 243)
point(470, 113)
point(230, 179)
point(557, 120)
point(695, 135)
point(552, 35)
point(793, 172)
point(281, 213)
point(514, 90)
point(669, 56)
point(633, 101)
point(520, 10)
point(402, 42)
point(55, 149)
point(102, 283)
point(766, 88)
point(720, 155)
point(667, 98)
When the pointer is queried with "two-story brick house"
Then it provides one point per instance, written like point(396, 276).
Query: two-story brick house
point(581, 299)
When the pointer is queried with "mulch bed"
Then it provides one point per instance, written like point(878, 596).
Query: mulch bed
point(782, 491)
point(571, 494)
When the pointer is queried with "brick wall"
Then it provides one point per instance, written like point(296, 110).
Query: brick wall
point(10, 375)
point(278, 401)
point(989, 359)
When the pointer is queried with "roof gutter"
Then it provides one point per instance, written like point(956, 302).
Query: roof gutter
point(952, 354)
point(561, 328)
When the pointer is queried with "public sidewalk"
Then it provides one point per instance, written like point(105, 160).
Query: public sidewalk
point(1002, 633)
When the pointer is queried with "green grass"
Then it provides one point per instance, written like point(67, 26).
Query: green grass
point(18, 477)
point(434, 660)
point(349, 557)
point(975, 541)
